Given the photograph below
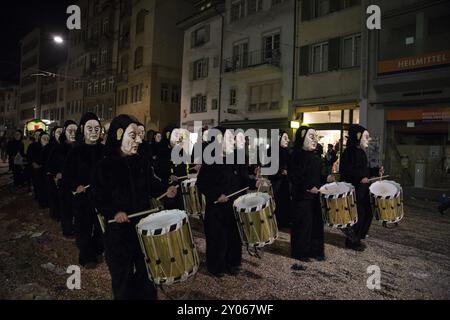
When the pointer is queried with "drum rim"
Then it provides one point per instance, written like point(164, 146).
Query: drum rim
point(392, 196)
point(166, 229)
point(254, 208)
point(338, 195)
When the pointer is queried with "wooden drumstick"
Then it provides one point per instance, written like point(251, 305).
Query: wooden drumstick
point(165, 195)
point(378, 178)
point(75, 193)
point(233, 194)
point(143, 213)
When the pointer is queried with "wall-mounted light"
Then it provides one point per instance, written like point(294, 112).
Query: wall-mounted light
point(295, 124)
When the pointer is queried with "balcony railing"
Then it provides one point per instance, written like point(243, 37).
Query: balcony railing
point(252, 59)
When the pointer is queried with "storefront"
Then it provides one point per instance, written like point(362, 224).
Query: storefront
point(331, 122)
point(418, 145)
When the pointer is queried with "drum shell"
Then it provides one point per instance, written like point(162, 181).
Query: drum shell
point(257, 228)
point(194, 201)
point(339, 211)
point(388, 209)
point(171, 257)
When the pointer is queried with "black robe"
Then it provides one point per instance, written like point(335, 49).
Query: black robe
point(223, 242)
point(353, 168)
point(55, 166)
point(280, 186)
point(51, 195)
point(13, 148)
point(125, 184)
point(78, 171)
point(307, 231)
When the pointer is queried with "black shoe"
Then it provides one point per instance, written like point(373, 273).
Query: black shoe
point(100, 258)
point(69, 236)
point(217, 274)
point(356, 246)
point(303, 259)
point(298, 267)
point(234, 271)
point(90, 265)
point(320, 258)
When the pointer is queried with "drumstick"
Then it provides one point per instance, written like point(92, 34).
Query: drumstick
point(75, 193)
point(165, 195)
point(378, 178)
point(138, 214)
point(233, 194)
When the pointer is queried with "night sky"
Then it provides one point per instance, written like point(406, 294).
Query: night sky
point(17, 18)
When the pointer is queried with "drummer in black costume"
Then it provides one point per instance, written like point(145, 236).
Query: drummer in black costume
point(55, 168)
point(354, 169)
point(305, 175)
point(77, 176)
point(216, 181)
point(123, 183)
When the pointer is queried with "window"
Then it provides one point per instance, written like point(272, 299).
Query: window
point(103, 86)
point(271, 46)
point(105, 28)
point(198, 104)
point(233, 97)
point(351, 51)
point(216, 62)
point(265, 96)
point(214, 104)
point(93, 60)
point(89, 88)
point(200, 36)
point(139, 58)
point(200, 69)
point(176, 94)
point(140, 21)
point(124, 64)
point(61, 94)
point(95, 87)
point(321, 7)
point(111, 84)
point(104, 56)
point(253, 6)
point(240, 55)
point(276, 2)
point(136, 93)
point(320, 57)
point(122, 97)
point(237, 10)
point(164, 92)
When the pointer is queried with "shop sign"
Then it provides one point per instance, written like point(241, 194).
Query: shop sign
point(424, 61)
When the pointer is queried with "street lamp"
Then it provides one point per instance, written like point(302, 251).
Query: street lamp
point(58, 39)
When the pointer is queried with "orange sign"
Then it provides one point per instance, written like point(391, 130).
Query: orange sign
point(428, 60)
point(425, 114)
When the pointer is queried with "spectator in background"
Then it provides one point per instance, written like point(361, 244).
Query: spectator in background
point(16, 154)
point(330, 159)
point(3, 151)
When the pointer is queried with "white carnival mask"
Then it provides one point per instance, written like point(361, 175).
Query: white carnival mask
point(175, 137)
point(365, 140)
point(158, 137)
point(205, 136)
point(240, 140)
point(92, 131)
point(131, 140)
point(58, 133)
point(284, 142)
point(229, 142)
point(37, 134)
point(45, 139)
point(311, 140)
point(71, 131)
point(141, 130)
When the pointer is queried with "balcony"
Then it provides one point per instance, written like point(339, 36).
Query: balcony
point(253, 62)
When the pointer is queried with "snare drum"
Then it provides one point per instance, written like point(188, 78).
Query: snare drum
point(266, 188)
point(256, 219)
point(339, 205)
point(387, 201)
point(168, 247)
point(194, 201)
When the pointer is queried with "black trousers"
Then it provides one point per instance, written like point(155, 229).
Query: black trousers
point(53, 198)
point(130, 280)
point(223, 242)
point(40, 187)
point(67, 212)
point(282, 201)
point(89, 238)
point(18, 175)
point(365, 215)
point(307, 232)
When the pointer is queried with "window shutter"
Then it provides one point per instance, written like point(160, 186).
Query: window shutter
point(207, 33)
point(205, 67)
point(335, 5)
point(306, 10)
point(304, 60)
point(191, 71)
point(333, 54)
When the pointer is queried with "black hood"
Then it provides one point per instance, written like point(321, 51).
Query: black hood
point(355, 133)
point(117, 130)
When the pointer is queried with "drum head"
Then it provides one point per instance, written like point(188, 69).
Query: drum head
point(384, 189)
point(335, 188)
point(161, 220)
point(252, 200)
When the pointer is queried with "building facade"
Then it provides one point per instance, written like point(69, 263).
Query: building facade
point(407, 91)
point(9, 102)
point(328, 73)
point(150, 61)
point(257, 65)
point(202, 56)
